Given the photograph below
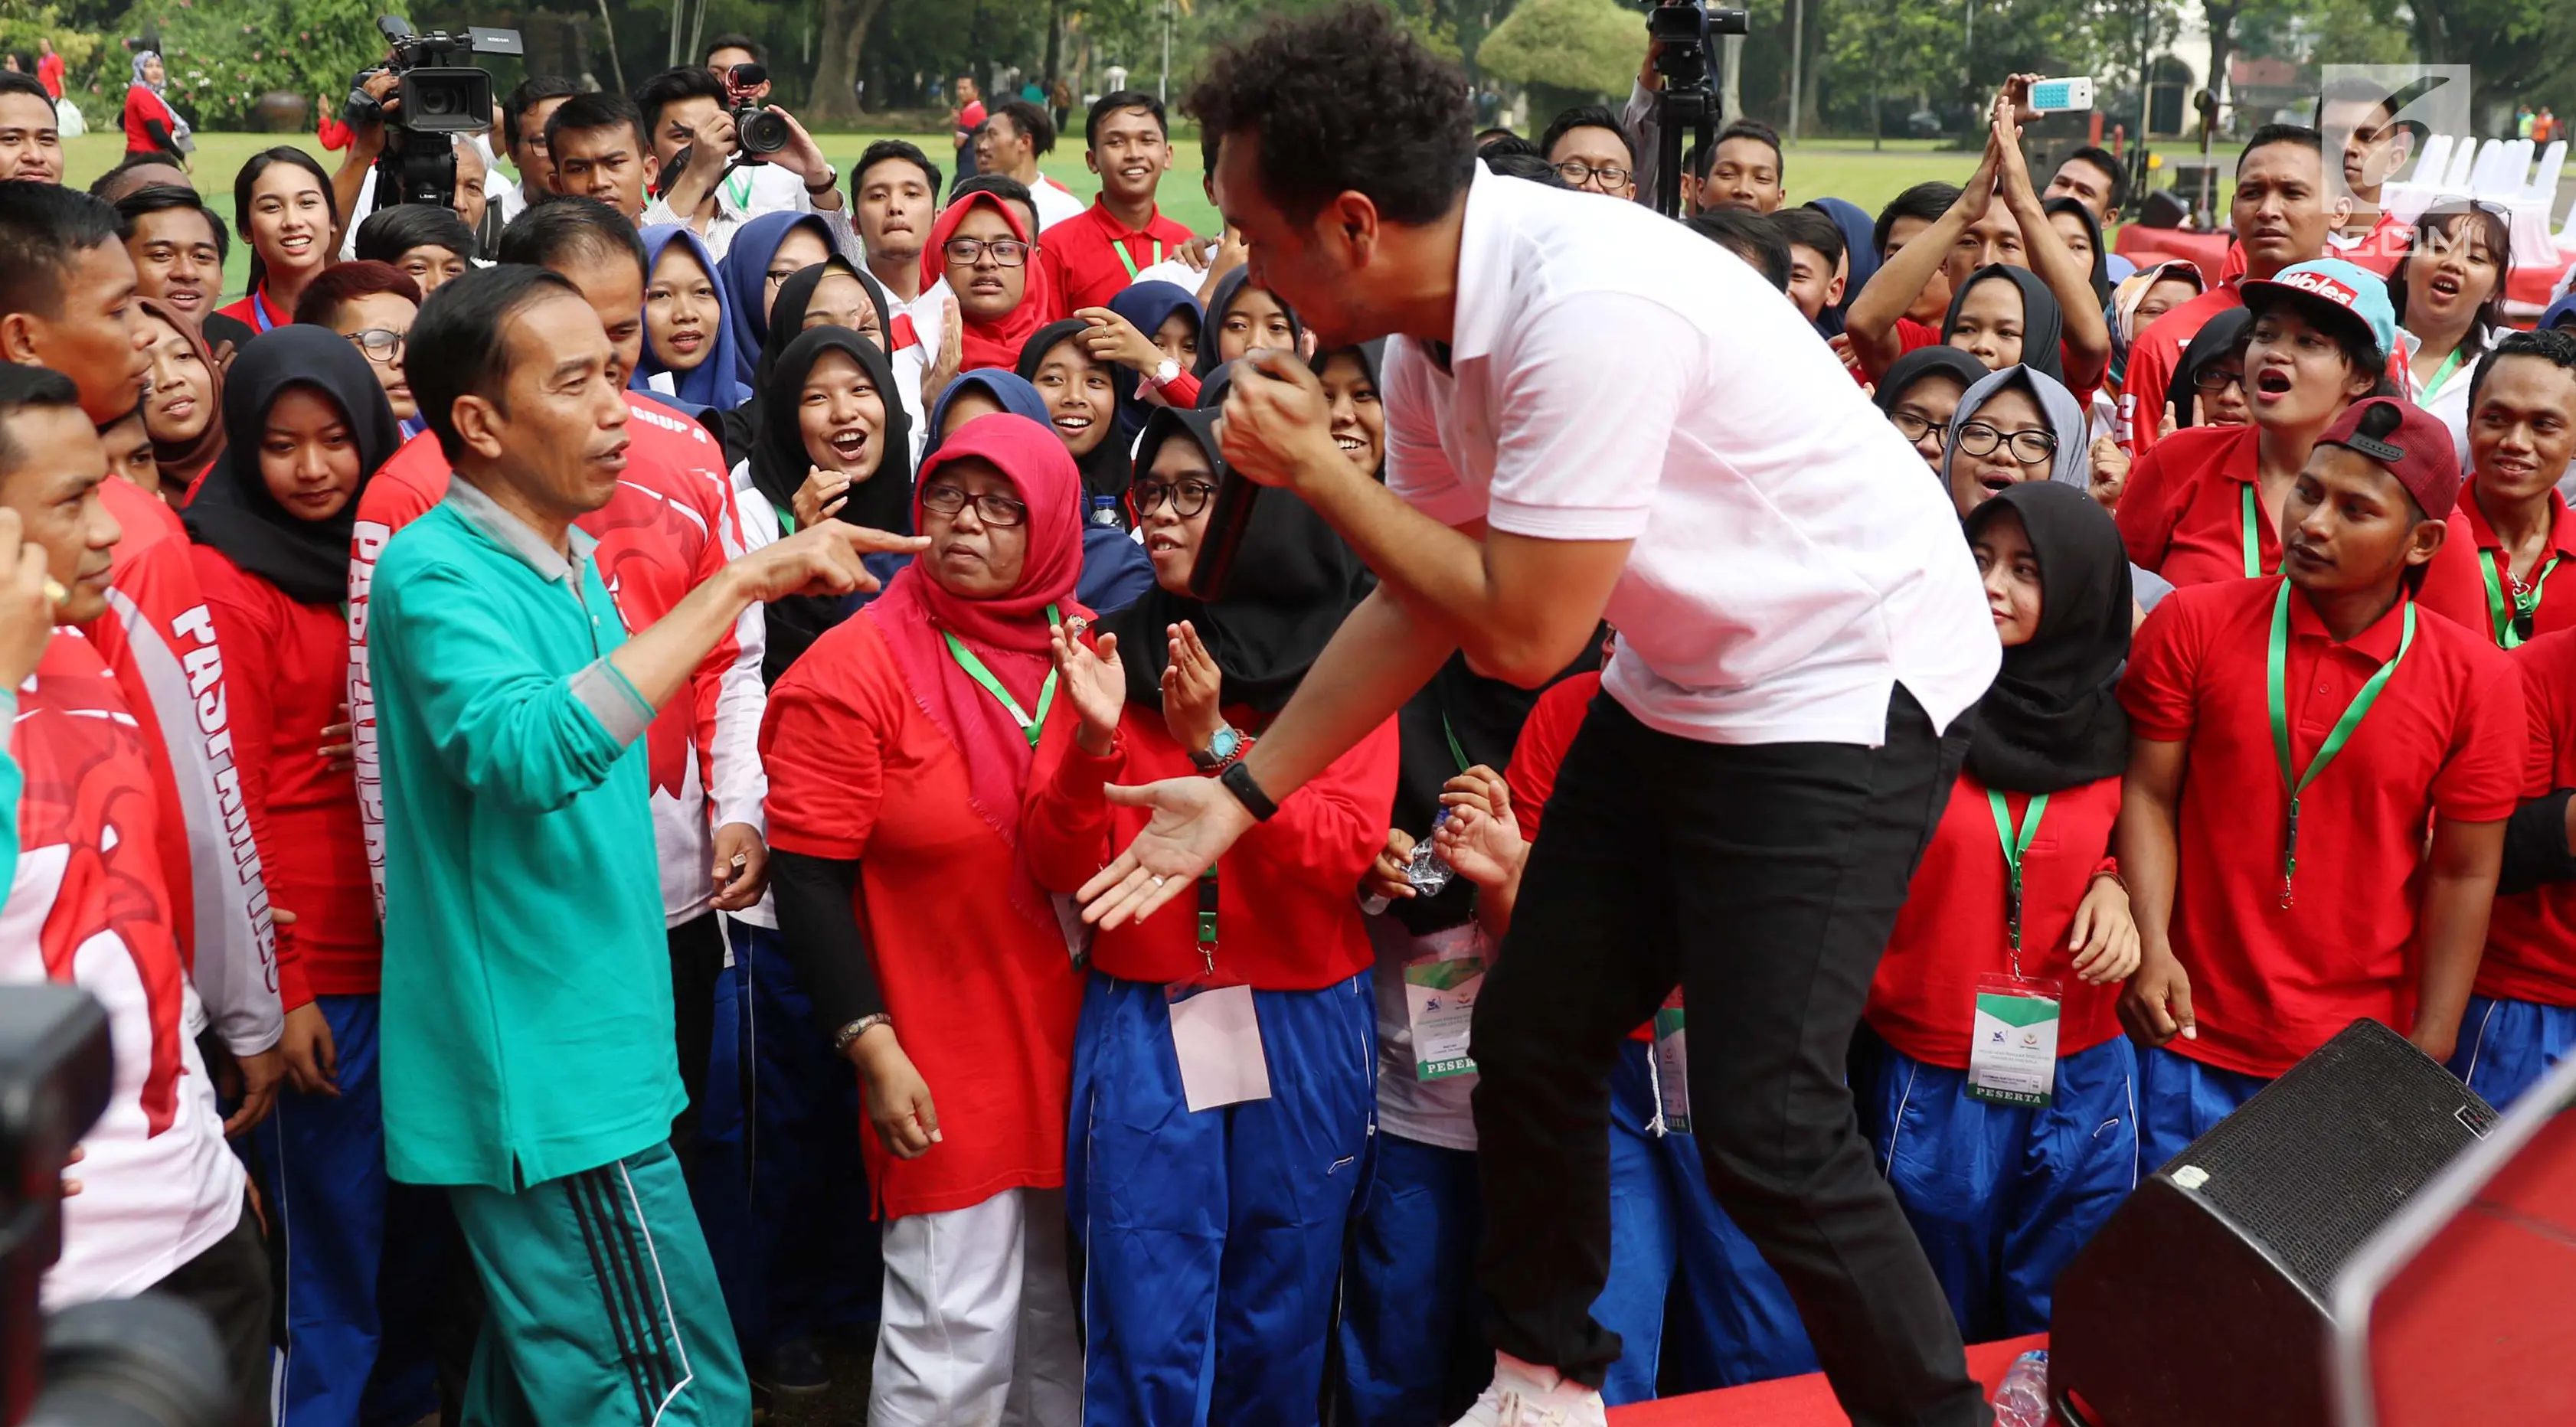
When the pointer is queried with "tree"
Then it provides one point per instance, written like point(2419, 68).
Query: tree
point(1586, 47)
point(845, 26)
point(222, 57)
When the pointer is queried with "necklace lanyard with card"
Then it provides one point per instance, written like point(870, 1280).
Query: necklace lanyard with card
point(1440, 990)
point(2253, 542)
point(1216, 1029)
point(2513, 619)
point(2276, 663)
point(1030, 724)
point(2012, 1047)
point(1672, 1065)
point(1127, 260)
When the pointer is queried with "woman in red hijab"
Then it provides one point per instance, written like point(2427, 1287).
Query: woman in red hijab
point(900, 749)
point(985, 252)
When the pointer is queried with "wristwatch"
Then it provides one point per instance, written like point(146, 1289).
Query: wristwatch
point(1237, 779)
point(1166, 372)
point(1223, 747)
point(855, 1029)
point(831, 180)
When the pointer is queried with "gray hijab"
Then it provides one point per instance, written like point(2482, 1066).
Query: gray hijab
point(2073, 466)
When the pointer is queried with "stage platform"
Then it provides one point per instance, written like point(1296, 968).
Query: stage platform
point(1796, 1401)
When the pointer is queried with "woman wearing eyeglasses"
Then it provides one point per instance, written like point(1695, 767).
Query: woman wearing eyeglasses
point(1211, 1186)
point(2449, 295)
point(2209, 379)
point(371, 304)
point(900, 751)
point(983, 250)
point(271, 526)
point(1920, 390)
point(2020, 426)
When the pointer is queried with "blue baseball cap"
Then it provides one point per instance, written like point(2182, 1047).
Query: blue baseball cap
point(2335, 283)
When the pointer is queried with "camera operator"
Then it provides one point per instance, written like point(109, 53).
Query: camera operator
point(690, 128)
point(353, 185)
point(727, 50)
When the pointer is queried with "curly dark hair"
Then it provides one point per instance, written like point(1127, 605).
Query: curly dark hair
point(1344, 100)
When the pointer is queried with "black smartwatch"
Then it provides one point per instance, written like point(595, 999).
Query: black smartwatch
point(1237, 779)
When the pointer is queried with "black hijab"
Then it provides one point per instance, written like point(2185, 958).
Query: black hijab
point(1220, 302)
point(1105, 471)
point(2101, 278)
point(1914, 366)
point(233, 511)
point(780, 462)
point(2052, 719)
point(2216, 337)
point(2043, 323)
point(1291, 585)
point(786, 324)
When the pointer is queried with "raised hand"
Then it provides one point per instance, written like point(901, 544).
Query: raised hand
point(26, 603)
point(1191, 683)
point(821, 496)
point(1114, 339)
point(1094, 679)
point(1277, 423)
point(1480, 840)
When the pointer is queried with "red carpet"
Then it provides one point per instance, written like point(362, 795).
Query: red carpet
point(1796, 1401)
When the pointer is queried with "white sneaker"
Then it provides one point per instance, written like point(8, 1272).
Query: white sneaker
point(1527, 1395)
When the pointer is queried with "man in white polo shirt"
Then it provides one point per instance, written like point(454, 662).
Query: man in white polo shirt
point(1594, 412)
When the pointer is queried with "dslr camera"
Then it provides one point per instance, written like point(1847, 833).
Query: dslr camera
point(757, 128)
point(1685, 33)
point(137, 1362)
point(442, 94)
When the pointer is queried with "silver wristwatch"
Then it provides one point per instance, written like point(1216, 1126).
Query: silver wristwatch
point(841, 1041)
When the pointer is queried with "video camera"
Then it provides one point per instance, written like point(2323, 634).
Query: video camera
point(140, 1362)
point(442, 94)
point(1685, 34)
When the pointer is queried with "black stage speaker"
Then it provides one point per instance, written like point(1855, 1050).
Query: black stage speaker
point(2205, 1299)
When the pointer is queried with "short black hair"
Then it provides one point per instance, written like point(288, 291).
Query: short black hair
point(19, 82)
point(99, 186)
point(1003, 187)
point(1030, 120)
point(2446, 219)
point(532, 91)
point(247, 181)
point(1528, 166)
point(891, 150)
point(686, 81)
point(44, 227)
point(735, 40)
point(388, 233)
point(340, 284)
point(1750, 236)
point(1810, 228)
point(1760, 133)
point(1583, 116)
point(162, 198)
point(2270, 134)
point(455, 346)
point(1507, 145)
point(1345, 100)
point(24, 388)
point(2349, 89)
point(1927, 200)
point(598, 109)
point(1115, 100)
point(2549, 344)
point(567, 229)
point(2109, 163)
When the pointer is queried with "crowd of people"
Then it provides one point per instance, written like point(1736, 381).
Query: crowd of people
point(578, 736)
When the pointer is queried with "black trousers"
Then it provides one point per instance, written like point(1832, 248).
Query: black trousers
point(697, 964)
point(1764, 880)
point(229, 1282)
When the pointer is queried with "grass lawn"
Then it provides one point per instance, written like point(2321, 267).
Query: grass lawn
point(1843, 168)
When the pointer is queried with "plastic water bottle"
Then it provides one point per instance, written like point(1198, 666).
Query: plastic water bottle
point(2022, 1401)
point(1428, 871)
point(1104, 510)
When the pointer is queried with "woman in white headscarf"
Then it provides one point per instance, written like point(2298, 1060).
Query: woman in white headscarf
point(152, 126)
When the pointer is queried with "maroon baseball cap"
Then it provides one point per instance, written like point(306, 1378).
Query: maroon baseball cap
point(2416, 450)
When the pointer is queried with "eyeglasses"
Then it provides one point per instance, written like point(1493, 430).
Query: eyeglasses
point(1188, 498)
point(1911, 426)
point(1007, 252)
point(2218, 378)
point(2028, 447)
point(1576, 173)
point(381, 344)
point(992, 507)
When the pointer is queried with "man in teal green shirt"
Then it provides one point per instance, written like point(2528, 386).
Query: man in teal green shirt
point(527, 1023)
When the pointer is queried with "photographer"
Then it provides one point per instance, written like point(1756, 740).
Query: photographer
point(689, 127)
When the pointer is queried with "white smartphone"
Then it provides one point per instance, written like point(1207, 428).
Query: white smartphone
point(2058, 96)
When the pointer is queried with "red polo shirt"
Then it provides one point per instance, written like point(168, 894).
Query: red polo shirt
point(1080, 255)
point(1545, 736)
point(2268, 983)
point(255, 311)
point(2531, 937)
point(2456, 584)
point(2183, 512)
point(2152, 358)
point(1953, 929)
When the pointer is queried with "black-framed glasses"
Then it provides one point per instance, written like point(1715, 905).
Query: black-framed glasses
point(1911, 426)
point(992, 507)
point(2218, 378)
point(381, 344)
point(2028, 447)
point(1007, 252)
point(1188, 498)
point(1577, 173)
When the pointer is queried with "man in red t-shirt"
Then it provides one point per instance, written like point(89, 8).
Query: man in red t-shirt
point(968, 118)
point(2521, 1019)
point(1091, 258)
point(49, 68)
point(2270, 919)
point(2280, 217)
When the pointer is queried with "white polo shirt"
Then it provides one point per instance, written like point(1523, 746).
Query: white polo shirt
point(1615, 376)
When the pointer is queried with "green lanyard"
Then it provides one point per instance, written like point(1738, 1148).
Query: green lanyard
point(1119, 246)
point(1207, 919)
point(2276, 684)
point(2253, 542)
point(2015, 844)
point(738, 188)
point(974, 667)
point(1456, 750)
point(2514, 627)
point(2441, 374)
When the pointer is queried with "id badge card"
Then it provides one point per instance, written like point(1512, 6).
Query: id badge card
point(1672, 1066)
point(1440, 1005)
point(1218, 1040)
point(2012, 1051)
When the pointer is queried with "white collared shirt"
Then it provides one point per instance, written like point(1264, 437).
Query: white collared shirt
point(1615, 376)
point(750, 191)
